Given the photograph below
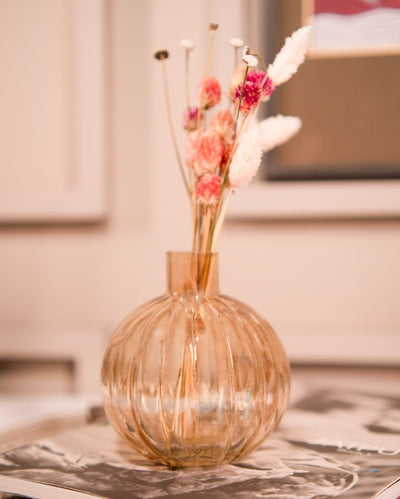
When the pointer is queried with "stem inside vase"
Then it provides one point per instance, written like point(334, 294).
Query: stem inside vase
point(196, 272)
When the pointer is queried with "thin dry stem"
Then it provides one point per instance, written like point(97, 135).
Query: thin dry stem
point(220, 220)
point(210, 52)
point(260, 59)
point(196, 226)
point(171, 126)
point(205, 228)
point(187, 74)
point(208, 64)
point(226, 172)
point(236, 58)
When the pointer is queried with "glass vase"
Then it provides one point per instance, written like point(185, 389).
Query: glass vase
point(194, 377)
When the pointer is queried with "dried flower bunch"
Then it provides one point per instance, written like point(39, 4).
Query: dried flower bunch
point(224, 146)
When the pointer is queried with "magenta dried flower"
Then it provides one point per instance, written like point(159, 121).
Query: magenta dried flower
point(264, 82)
point(250, 96)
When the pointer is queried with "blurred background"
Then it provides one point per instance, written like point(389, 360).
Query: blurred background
point(91, 198)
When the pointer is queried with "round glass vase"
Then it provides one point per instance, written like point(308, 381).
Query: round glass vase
point(194, 377)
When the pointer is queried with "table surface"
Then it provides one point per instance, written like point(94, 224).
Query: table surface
point(340, 437)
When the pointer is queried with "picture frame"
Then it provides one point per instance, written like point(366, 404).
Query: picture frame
point(352, 28)
point(298, 194)
point(350, 125)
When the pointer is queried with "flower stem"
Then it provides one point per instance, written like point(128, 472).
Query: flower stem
point(236, 58)
point(187, 72)
point(196, 224)
point(205, 228)
point(220, 219)
point(213, 28)
point(218, 208)
point(171, 126)
point(211, 49)
point(260, 59)
point(240, 98)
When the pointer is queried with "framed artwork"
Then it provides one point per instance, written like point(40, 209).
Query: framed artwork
point(353, 27)
point(345, 161)
point(52, 154)
point(349, 105)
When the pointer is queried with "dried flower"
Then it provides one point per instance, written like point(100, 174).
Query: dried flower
point(191, 147)
point(203, 152)
point(250, 96)
point(261, 79)
point(236, 42)
point(224, 124)
point(190, 118)
point(225, 156)
point(161, 55)
point(277, 130)
point(250, 60)
point(291, 55)
point(246, 159)
point(187, 44)
point(208, 188)
point(209, 92)
point(266, 89)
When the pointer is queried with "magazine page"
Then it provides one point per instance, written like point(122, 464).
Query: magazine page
point(330, 443)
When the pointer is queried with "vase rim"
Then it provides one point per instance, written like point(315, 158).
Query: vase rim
point(196, 272)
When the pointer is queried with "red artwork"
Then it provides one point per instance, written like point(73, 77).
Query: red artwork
point(348, 7)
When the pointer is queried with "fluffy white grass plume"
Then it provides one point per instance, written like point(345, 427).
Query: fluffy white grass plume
point(291, 55)
point(277, 130)
point(246, 159)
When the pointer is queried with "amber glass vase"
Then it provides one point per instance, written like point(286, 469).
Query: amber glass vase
point(194, 377)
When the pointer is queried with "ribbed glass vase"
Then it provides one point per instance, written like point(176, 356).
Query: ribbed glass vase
point(194, 377)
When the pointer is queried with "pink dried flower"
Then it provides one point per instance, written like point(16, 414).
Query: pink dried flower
point(224, 124)
point(191, 147)
point(208, 188)
point(204, 151)
point(209, 152)
point(225, 156)
point(251, 96)
point(209, 92)
point(267, 88)
point(190, 117)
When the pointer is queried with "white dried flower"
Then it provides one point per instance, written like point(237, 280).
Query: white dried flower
point(250, 60)
point(291, 55)
point(277, 130)
point(236, 42)
point(246, 159)
point(187, 44)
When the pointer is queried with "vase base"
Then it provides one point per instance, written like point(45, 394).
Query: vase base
point(207, 457)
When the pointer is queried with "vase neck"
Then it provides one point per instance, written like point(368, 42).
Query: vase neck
point(196, 272)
